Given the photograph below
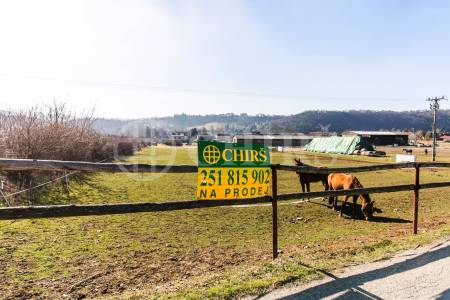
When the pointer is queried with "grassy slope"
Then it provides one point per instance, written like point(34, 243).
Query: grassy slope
point(216, 252)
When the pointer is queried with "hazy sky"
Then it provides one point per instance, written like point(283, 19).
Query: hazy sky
point(152, 58)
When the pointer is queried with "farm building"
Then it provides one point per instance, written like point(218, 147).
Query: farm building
point(224, 137)
point(177, 138)
point(206, 137)
point(273, 140)
point(339, 144)
point(382, 138)
point(444, 138)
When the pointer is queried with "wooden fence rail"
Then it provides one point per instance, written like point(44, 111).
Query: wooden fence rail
point(57, 165)
point(45, 211)
point(380, 167)
point(104, 209)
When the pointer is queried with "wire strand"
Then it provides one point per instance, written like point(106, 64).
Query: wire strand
point(47, 183)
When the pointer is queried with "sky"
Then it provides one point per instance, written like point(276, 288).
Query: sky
point(132, 59)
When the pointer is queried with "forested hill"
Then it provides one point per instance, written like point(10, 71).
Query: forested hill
point(335, 121)
point(339, 121)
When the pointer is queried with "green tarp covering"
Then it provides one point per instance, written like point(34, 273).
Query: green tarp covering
point(339, 144)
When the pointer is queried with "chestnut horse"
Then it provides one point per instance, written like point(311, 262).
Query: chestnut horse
point(340, 181)
point(306, 178)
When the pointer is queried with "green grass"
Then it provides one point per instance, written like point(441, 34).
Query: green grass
point(214, 252)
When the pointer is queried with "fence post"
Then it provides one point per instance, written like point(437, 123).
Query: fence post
point(66, 183)
point(416, 198)
point(274, 212)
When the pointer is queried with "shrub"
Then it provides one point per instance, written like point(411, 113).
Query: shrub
point(52, 133)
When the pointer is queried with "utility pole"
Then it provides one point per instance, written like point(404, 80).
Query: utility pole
point(434, 106)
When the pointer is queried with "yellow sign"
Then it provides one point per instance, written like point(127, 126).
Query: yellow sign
point(233, 171)
point(233, 183)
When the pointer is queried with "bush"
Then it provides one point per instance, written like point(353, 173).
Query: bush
point(52, 133)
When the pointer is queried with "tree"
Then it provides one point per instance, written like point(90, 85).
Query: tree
point(148, 132)
point(193, 132)
point(420, 134)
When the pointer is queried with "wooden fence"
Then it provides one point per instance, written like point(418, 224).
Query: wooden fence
point(104, 209)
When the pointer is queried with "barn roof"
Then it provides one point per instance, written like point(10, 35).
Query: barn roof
point(362, 132)
point(271, 137)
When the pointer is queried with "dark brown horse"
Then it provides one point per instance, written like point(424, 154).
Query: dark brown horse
point(340, 181)
point(306, 178)
point(407, 151)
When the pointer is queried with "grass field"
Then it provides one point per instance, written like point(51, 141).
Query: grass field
point(212, 252)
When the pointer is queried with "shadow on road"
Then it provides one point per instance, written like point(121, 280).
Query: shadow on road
point(445, 295)
point(349, 286)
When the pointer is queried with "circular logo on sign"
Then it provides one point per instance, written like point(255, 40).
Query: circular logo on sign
point(211, 154)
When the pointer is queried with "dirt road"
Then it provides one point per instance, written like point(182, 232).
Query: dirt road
point(423, 273)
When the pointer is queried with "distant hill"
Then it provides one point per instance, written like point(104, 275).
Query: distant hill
point(220, 122)
point(308, 121)
point(339, 121)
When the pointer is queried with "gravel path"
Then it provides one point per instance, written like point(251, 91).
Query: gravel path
point(422, 273)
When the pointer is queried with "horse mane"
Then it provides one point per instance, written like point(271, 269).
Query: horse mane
point(357, 184)
point(298, 162)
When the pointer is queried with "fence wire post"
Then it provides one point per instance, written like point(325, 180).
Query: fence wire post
point(5, 199)
point(416, 198)
point(274, 212)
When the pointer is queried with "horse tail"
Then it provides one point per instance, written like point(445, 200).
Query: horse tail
point(324, 180)
point(330, 181)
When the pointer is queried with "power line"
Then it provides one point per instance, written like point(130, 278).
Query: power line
point(199, 91)
point(434, 106)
